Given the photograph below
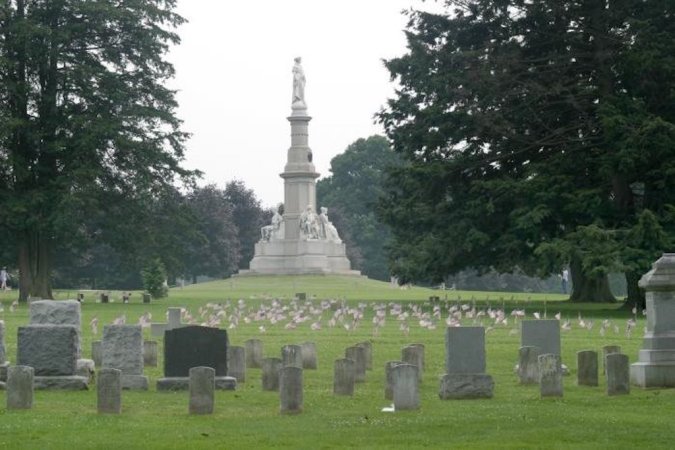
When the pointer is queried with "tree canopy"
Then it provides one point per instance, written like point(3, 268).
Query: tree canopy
point(86, 120)
point(535, 135)
point(351, 193)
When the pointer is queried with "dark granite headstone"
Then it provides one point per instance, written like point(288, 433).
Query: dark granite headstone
point(194, 346)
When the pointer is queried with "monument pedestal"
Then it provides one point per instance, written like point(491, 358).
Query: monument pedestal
point(656, 360)
point(299, 257)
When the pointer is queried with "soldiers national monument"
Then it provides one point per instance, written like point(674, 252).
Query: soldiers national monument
point(299, 240)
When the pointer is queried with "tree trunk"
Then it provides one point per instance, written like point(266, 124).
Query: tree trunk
point(589, 288)
point(34, 267)
point(636, 296)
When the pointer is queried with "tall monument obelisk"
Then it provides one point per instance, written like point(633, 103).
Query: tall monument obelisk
point(301, 241)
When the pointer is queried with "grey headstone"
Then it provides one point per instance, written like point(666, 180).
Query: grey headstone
point(291, 355)
point(343, 377)
point(19, 387)
point(466, 386)
point(389, 378)
point(550, 375)
point(271, 370)
point(254, 353)
point(202, 390)
point(421, 347)
point(146, 297)
point(587, 368)
point(49, 349)
point(465, 350)
point(413, 355)
point(358, 355)
point(123, 348)
point(608, 350)
point(309, 355)
point(3, 354)
point(236, 363)
point(57, 312)
point(109, 391)
point(97, 352)
point(291, 390)
point(150, 352)
point(528, 364)
point(368, 347)
point(618, 374)
point(405, 387)
point(173, 322)
point(544, 334)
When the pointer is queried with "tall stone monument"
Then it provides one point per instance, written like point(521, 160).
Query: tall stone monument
point(656, 362)
point(299, 240)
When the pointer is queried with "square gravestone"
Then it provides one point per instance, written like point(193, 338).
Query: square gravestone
point(465, 365)
point(194, 346)
point(123, 349)
point(465, 350)
point(51, 350)
point(544, 334)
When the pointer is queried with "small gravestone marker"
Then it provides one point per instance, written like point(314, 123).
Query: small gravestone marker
point(608, 350)
point(618, 374)
point(528, 364)
point(587, 368)
point(150, 351)
point(4, 364)
point(405, 387)
point(343, 377)
point(368, 347)
point(358, 355)
point(301, 296)
point(19, 387)
point(109, 391)
point(146, 297)
point(389, 378)
point(236, 363)
point(308, 350)
point(97, 352)
point(291, 355)
point(254, 353)
point(271, 369)
point(80, 297)
point(105, 298)
point(290, 390)
point(550, 375)
point(202, 390)
point(413, 355)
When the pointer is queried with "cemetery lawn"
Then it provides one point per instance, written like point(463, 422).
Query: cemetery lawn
point(249, 418)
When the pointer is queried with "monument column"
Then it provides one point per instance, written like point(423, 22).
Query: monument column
point(299, 173)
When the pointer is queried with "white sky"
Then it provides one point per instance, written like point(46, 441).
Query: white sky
point(233, 74)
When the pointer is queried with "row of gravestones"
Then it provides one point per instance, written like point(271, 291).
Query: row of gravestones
point(104, 297)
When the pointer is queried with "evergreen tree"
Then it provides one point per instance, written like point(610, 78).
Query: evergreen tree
point(525, 135)
point(85, 119)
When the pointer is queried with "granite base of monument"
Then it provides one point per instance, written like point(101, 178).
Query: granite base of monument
point(66, 383)
point(456, 386)
point(183, 384)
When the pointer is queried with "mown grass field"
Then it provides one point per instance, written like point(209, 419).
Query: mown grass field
point(249, 418)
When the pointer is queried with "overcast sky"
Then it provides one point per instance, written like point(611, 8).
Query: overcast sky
point(233, 74)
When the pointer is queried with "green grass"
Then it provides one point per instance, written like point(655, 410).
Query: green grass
point(248, 418)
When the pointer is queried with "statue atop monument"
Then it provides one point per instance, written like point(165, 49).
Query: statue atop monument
point(298, 84)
